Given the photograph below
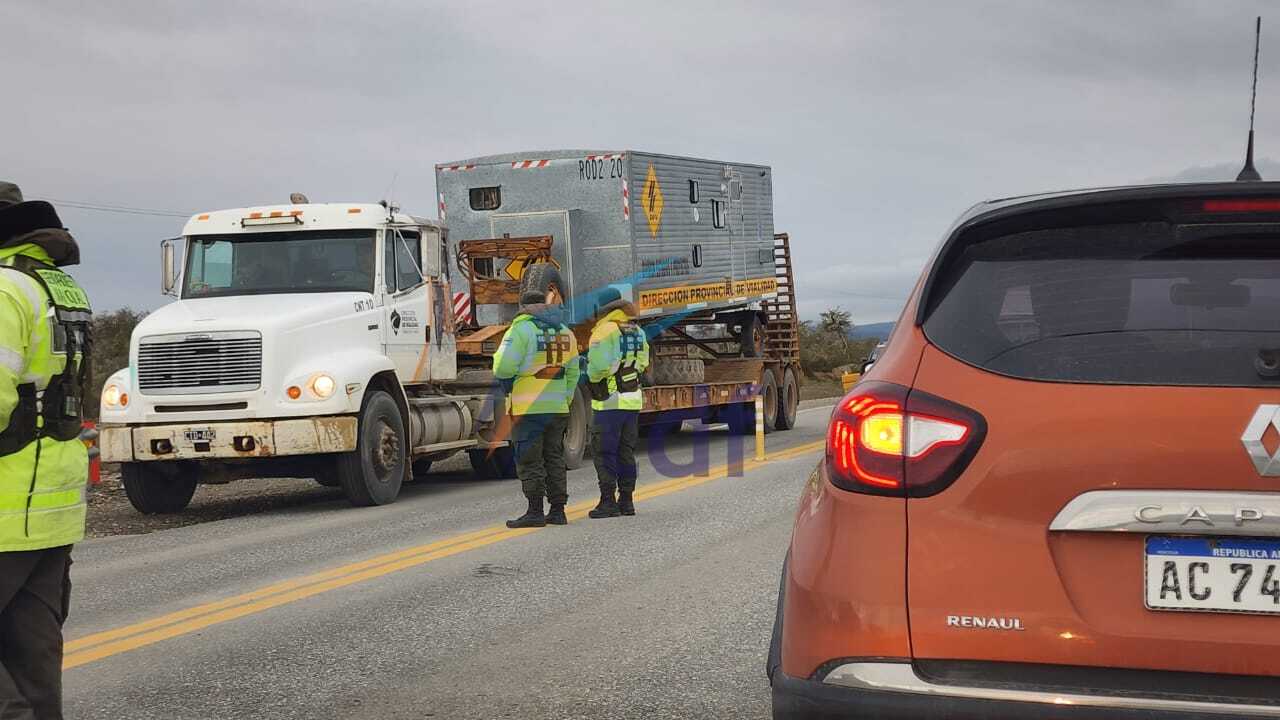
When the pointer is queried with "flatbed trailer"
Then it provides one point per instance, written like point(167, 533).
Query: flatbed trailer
point(729, 356)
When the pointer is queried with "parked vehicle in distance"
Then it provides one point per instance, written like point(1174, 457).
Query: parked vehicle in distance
point(1055, 493)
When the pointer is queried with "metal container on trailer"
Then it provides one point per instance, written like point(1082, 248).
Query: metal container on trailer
point(672, 234)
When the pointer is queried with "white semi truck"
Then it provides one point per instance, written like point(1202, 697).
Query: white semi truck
point(322, 340)
point(307, 340)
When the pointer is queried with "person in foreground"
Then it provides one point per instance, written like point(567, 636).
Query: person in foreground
point(538, 362)
point(617, 355)
point(44, 357)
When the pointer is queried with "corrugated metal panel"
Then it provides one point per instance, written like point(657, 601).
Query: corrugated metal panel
point(681, 249)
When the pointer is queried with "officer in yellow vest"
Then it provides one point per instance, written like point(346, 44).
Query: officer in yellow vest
point(538, 363)
point(44, 350)
point(617, 355)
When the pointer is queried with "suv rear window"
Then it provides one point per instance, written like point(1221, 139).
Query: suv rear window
point(1144, 303)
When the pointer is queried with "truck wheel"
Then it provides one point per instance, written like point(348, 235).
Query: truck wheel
point(769, 395)
point(373, 473)
point(542, 278)
point(498, 465)
point(577, 435)
point(788, 401)
point(153, 489)
point(751, 336)
point(679, 371)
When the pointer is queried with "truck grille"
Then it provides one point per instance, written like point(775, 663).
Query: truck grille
point(192, 363)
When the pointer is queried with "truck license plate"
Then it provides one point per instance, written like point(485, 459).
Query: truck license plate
point(200, 435)
point(1239, 575)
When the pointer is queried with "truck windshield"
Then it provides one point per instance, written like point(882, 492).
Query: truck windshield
point(270, 263)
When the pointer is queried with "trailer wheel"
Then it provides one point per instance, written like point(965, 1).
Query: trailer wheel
point(769, 396)
point(577, 435)
point(158, 487)
point(497, 465)
point(542, 278)
point(788, 401)
point(373, 473)
point(751, 336)
point(679, 371)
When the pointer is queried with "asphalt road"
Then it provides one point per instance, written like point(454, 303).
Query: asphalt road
point(430, 608)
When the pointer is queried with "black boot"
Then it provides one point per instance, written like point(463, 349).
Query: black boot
point(625, 505)
point(555, 516)
point(532, 517)
point(606, 508)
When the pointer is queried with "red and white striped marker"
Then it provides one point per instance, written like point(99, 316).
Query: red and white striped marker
point(462, 307)
point(442, 207)
point(455, 168)
point(525, 164)
point(626, 201)
point(610, 156)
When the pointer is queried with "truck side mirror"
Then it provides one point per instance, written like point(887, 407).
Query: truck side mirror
point(168, 268)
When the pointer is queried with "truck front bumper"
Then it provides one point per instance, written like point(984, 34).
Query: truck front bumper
point(228, 440)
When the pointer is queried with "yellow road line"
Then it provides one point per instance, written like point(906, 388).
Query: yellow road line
point(105, 644)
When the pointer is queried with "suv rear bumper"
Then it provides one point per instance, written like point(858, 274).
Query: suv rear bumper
point(893, 690)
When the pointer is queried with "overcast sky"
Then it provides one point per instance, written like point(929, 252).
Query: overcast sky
point(882, 121)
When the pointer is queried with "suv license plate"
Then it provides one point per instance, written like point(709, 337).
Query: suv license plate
point(200, 435)
point(1240, 575)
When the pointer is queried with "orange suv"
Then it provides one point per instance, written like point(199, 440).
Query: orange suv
point(1057, 493)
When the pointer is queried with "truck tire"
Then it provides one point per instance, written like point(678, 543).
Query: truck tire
point(542, 278)
point(577, 435)
point(751, 336)
point(679, 371)
point(769, 394)
point(157, 487)
point(373, 473)
point(788, 401)
point(498, 465)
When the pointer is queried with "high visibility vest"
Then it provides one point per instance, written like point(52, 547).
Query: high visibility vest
point(617, 355)
point(44, 357)
point(540, 362)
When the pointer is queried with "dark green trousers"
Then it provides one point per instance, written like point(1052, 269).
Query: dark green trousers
point(539, 449)
point(613, 448)
point(35, 589)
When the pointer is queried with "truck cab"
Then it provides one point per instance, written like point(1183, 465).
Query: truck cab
point(306, 340)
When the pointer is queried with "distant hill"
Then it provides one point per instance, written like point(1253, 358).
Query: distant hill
point(874, 330)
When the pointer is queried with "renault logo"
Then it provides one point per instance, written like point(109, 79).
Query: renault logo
point(1266, 463)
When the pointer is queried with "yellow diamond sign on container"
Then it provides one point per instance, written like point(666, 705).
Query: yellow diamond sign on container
point(651, 200)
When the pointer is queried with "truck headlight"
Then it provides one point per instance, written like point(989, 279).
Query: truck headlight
point(114, 397)
point(323, 385)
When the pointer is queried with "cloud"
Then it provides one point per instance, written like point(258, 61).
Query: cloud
point(882, 121)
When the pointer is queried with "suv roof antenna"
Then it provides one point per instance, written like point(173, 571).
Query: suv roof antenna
point(1248, 173)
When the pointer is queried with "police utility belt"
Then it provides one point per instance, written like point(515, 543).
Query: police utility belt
point(55, 412)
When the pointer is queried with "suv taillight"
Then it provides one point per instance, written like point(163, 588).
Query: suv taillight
point(885, 439)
